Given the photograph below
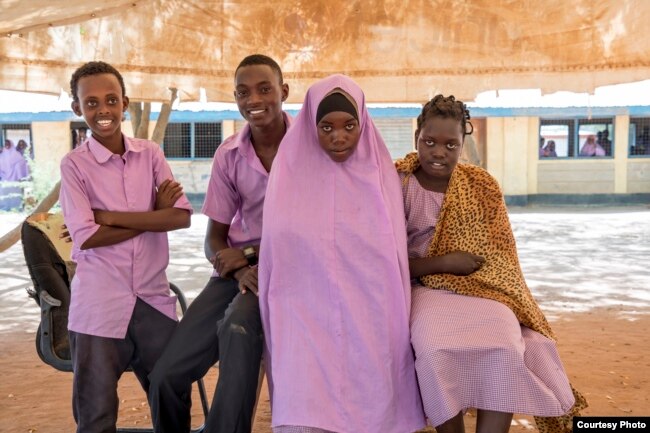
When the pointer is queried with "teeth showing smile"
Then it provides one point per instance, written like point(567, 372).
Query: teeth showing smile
point(104, 122)
point(437, 164)
point(256, 111)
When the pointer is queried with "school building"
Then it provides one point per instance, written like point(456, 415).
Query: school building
point(511, 143)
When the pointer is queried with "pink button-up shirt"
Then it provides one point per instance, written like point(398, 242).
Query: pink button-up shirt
point(109, 279)
point(237, 188)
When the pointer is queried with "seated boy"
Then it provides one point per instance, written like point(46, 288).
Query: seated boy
point(223, 323)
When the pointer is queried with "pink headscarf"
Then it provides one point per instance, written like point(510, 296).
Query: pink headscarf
point(13, 166)
point(334, 281)
point(303, 175)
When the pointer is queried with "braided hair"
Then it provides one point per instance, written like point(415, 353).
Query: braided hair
point(445, 107)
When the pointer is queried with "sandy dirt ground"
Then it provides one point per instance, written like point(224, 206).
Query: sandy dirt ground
point(593, 285)
point(607, 358)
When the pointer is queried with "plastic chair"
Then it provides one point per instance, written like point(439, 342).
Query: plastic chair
point(51, 276)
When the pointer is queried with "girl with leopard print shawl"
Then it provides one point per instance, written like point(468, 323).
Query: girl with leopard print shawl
point(479, 337)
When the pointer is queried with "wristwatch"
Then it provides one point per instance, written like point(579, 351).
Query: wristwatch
point(251, 255)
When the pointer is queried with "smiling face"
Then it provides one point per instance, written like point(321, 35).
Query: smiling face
point(102, 106)
point(259, 95)
point(439, 144)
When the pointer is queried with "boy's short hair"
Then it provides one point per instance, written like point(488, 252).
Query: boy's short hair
point(261, 59)
point(94, 68)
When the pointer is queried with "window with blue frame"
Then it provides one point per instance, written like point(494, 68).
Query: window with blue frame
point(576, 138)
point(639, 136)
point(196, 140)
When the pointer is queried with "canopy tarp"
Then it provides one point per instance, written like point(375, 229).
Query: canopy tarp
point(397, 50)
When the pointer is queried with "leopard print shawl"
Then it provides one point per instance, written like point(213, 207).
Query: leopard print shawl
point(474, 218)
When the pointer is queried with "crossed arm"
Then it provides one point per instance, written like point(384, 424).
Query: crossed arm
point(116, 227)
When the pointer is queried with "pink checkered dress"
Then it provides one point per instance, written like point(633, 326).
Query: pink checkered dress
point(299, 429)
point(472, 352)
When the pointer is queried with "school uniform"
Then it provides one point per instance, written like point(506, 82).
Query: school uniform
point(333, 283)
point(221, 324)
point(121, 311)
point(13, 168)
point(472, 352)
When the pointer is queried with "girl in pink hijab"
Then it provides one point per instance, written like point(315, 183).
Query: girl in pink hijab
point(333, 275)
point(13, 166)
point(592, 148)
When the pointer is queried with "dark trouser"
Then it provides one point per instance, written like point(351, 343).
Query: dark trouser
point(221, 325)
point(98, 364)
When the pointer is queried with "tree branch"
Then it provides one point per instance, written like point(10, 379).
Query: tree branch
point(135, 111)
point(163, 119)
point(143, 129)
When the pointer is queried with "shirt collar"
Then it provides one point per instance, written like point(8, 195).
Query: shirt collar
point(102, 154)
point(245, 144)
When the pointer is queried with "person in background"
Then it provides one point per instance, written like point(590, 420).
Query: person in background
point(549, 150)
point(592, 148)
point(13, 166)
point(542, 140)
point(21, 146)
point(605, 142)
point(13, 169)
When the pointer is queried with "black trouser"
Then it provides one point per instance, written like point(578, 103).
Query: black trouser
point(221, 325)
point(98, 364)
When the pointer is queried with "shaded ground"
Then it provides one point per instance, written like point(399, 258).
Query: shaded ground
point(588, 270)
